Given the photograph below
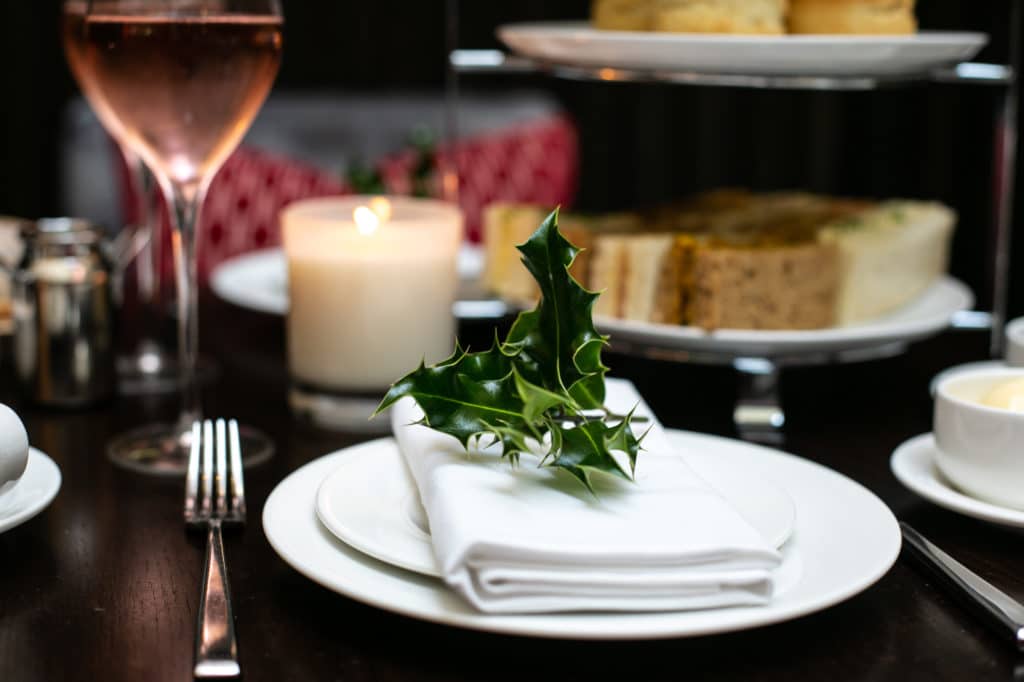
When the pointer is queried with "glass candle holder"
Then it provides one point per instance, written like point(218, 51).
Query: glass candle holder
point(371, 281)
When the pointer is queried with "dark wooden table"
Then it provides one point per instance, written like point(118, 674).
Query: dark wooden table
point(103, 585)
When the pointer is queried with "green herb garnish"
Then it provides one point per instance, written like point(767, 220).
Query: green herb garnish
point(543, 385)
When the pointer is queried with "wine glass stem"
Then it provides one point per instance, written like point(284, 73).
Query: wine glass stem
point(142, 185)
point(186, 202)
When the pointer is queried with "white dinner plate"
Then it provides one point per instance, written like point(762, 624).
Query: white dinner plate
point(259, 281)
point(913, 463)
point(370, 502)
point(927, 315)
point(576, 43)
point(33, 493)
point(844, 540)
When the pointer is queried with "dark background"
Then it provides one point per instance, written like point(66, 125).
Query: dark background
point(641, 144)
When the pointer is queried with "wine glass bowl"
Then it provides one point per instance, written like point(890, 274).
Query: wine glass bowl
point(180, 88)
point(177, 82)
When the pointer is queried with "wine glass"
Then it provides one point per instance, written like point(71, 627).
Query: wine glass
point(178, 82)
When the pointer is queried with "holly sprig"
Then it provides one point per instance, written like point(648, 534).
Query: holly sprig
point(542, 389)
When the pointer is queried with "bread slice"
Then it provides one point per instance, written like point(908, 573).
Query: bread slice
point(788, 286)
point(507, 225)
point(607, 274)
point(888, 256)
point(641, 276)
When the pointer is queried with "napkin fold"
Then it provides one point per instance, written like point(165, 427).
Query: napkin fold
point(531, 541)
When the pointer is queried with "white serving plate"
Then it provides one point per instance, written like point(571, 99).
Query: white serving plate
point(913, 464)
point(929, 314)
point(33, 492)
point(370, 502)
point(575, 43)
point(844, 540)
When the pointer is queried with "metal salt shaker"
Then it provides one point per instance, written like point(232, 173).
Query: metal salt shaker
point(64, 315)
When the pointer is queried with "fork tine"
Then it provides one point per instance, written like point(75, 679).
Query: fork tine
point(207, 501)
point(221, 477)
point(237, 473)
point(192, 478)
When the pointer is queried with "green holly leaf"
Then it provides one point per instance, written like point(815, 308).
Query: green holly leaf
point(587, 447)
point(536, 399)
point(558, 347)
point(622, 438)
point(464, 396)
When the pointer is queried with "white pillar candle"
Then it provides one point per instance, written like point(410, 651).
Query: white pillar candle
point(371, 284)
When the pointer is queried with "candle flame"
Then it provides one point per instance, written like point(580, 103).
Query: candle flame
point(382, 207)
point(367, 221)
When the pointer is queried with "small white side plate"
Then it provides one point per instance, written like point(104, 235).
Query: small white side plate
point(33, 493)
point(913, 464)
point(370, 502)
point(259, 281)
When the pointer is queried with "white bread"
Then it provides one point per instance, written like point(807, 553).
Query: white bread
point(888, 256)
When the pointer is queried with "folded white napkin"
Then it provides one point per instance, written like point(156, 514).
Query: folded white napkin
point(530, 540)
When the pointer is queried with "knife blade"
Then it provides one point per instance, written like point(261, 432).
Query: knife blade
point(998, 610)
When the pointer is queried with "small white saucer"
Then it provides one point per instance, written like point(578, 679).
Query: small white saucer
point(370, 503)
point(913, 463)
point(960, 369)
point(33, 493)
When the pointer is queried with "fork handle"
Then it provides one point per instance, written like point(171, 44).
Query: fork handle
point(216, 646)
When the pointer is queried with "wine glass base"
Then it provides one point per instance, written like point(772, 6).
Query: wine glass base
point(163, 449)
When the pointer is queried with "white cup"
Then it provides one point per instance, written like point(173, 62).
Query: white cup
point(979, 448)
point(13, 451)
point(1015, 343)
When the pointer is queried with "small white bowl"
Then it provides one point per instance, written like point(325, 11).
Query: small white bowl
point(1015, 343)
point(979, 448)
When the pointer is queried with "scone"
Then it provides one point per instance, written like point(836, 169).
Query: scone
point(622, 15)
point(881, 17)
point(720, 16)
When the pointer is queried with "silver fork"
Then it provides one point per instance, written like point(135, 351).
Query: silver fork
point(215, 457)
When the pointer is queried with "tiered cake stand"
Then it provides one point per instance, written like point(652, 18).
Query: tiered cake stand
point(758, 413)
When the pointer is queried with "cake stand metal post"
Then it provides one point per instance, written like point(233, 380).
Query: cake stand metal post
point(1003, 183)
point(758, 414)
